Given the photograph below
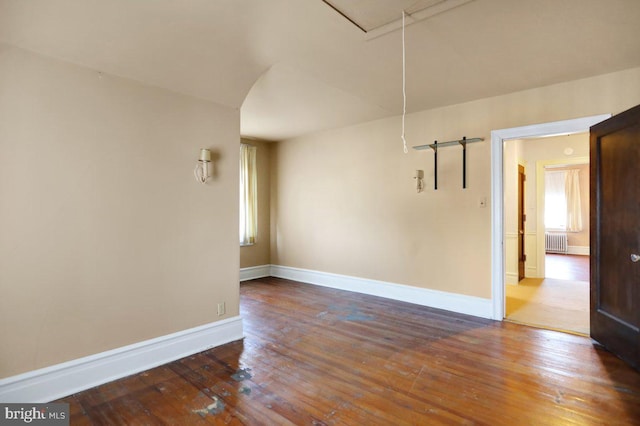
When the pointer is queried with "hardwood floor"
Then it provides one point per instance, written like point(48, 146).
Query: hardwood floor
point(319, 356)
point(566, 267)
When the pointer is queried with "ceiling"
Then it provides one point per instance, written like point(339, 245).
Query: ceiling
point(370, 15)
point(298, 66)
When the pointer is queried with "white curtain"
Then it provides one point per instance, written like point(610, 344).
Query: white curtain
point(248, 195)
point(555, 200)
point(572, 194)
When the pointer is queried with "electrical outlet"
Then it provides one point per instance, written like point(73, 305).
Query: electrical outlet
point(221, 309)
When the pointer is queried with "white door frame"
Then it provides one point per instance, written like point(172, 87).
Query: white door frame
point(498, 137)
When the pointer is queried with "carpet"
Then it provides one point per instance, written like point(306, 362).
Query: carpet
point(550, 303)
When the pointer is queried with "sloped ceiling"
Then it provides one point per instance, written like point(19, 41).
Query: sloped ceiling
point(298, 66)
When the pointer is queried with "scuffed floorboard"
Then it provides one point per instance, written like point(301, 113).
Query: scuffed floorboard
point(319, 356)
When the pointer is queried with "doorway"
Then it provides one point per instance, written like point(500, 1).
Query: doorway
point(498, 138)
point(552, 203)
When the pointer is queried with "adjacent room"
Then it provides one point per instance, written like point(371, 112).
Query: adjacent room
point(547, 188)
point(312, 211)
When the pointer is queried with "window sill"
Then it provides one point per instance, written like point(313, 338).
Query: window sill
point(247, 244)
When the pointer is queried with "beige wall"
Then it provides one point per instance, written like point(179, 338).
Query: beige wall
point(345, 201)
point(259, 253)
point(106, 237)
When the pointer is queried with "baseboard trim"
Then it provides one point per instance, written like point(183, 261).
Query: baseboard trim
point(579, 250)
point(531, 272)
point(511, 278)
point(60, 380)
point(453, 302)
point(254, 272)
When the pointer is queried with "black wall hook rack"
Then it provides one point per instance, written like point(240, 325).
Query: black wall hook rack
point(435, 145)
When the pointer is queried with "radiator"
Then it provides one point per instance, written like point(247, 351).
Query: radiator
point(555, 242)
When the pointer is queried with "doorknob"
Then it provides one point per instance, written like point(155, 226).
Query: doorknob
point(634, 257)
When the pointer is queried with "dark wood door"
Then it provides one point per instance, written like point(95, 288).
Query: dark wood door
point(522, 257)
point(615, 234)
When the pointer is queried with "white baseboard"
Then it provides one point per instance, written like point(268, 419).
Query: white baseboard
point(469, 305)
point(254, 272)
point(531, 272)
point(580, 250)
point(511, 278)
point(57, 381)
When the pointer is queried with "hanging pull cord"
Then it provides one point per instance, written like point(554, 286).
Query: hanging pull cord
point(404, 88)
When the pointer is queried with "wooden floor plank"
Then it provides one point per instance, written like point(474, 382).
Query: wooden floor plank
point(321, 356)
point(566, 267)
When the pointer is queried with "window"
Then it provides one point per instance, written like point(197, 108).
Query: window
point(555, 201)
point(248, 195)
point(562, 200)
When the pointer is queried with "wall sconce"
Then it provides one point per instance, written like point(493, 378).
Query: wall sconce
point(419, 176)
point(201, 172)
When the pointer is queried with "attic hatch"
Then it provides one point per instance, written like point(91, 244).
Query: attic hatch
point(379, 17)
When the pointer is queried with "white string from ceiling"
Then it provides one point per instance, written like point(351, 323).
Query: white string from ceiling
point(404, 87)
